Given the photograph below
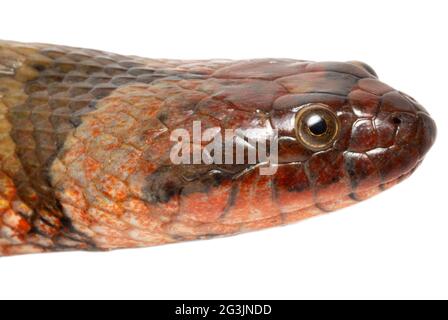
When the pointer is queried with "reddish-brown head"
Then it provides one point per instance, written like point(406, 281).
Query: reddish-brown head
point(344, 135)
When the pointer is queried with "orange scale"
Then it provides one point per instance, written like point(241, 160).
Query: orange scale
point(39, 240)
point(16, 222)
point(186, 230)
point(164, 89)
point(103, 230)
point(113, 102)
point(136, 183)
point(92, 167)
point(113, 187)
point(77, 215)
point(121, 123)
point(108, 205)
point(70, 193)
point(4, 204)
point(90, 127)
point(157, 147)
point(151, 129)
point(73, 152)
point(136, 98)
point(97, 199)
point(205, 207)
point(7, 187)
point(123, 162)
point(22, 249)
point(149, 237)
point(139, 214)
point(52, 217)
point(262, 224)
point(44, 228)
point(136, 206)
point(292, 188)
point(84, 229)
point(165, 212)
point(301, 214)
point(9, 234)
point(145, 107)
point(106, 219)
point(142, 221)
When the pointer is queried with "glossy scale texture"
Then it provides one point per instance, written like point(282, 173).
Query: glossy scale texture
point(85, 144)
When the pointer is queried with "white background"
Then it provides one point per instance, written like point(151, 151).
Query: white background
point(392, 246)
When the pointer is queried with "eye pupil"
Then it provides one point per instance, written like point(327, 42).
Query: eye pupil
point(317, 125)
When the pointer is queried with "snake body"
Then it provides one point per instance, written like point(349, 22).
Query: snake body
point(85, 146)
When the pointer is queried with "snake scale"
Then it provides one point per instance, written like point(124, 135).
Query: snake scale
point(85, 144)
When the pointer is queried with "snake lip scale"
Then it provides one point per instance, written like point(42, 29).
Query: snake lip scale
point(86, 145)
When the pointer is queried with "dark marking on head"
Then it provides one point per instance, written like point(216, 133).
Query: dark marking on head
point(351, 171)
point(162, 185)
point(174, 180)
point(162, 117)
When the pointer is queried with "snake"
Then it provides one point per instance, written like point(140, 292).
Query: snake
point(86, 145)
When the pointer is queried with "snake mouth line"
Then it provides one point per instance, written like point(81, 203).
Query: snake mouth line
point(385, 185)
point(381, 187)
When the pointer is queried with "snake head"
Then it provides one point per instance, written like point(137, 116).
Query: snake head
point(345, 135)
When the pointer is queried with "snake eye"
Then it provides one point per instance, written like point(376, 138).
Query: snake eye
point(316, 126)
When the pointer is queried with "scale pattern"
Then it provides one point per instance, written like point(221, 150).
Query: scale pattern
point(85, 145)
